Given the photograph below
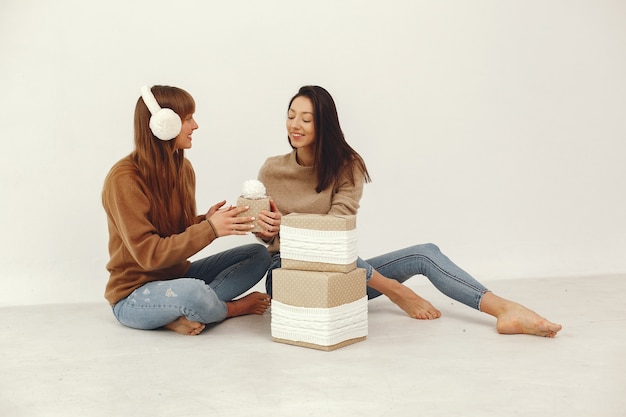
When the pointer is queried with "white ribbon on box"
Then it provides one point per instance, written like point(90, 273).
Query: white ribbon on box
point(320, 326)
point(325, 246)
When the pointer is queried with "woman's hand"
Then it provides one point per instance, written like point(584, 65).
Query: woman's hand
point(214, 208)
point(269, 222)
point(225, 220)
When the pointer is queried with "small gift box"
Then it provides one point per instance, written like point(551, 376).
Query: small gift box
point(253, 196)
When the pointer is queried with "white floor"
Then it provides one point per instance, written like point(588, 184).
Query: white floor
point(76, 360)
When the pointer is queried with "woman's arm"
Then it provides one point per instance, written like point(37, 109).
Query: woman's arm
point(127, 208)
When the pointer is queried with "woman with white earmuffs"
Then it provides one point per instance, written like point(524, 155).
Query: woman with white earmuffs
point(149, 200)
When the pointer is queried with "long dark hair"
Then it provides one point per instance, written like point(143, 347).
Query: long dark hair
point(332, 152)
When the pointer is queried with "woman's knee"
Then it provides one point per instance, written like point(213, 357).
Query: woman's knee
point(165, 301)
point(427, 248)
point(200, 302)
point(260, 254)
point(190, 292)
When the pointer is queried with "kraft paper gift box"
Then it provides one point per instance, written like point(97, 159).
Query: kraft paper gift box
point(319, 310)
point(253, 195)
point(318, 242)
point(256, 205)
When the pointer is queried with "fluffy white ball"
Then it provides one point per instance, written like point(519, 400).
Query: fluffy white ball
point(253, 189)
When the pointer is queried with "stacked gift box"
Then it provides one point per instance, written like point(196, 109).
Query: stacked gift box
point(319, 296)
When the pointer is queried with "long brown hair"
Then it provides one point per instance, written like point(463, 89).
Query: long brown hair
point(162, 167)
point(332, 152)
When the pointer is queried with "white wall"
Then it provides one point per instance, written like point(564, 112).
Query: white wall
point(494, 129)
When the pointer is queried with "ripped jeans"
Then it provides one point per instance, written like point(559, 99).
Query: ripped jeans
point(425, 259)
point(199, 296)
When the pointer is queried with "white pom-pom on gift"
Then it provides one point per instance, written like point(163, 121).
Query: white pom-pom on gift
point(253, 189)
point(254, 198)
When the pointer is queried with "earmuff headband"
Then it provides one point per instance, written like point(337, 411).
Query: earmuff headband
point(164, 123)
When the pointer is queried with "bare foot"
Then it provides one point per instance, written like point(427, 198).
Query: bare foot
point(414, 305)
point(514, 318)
point(183, 325)
point(253, 303)
point(520, 320)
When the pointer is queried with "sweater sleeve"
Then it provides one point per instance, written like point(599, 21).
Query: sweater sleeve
point(127, 209)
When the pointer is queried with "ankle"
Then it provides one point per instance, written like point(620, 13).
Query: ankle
point(395, 289)
point(231, 309)
point(493, 305)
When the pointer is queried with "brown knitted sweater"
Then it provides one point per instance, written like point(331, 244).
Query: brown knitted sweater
point(138, 254)
point(292, 187)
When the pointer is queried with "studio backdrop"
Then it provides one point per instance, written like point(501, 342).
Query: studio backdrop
point(493, 129)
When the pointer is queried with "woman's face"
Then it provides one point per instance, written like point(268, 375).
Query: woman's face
point(300, 123)
point(183, 140)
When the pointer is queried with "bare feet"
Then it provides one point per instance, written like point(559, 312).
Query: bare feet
point(183, 325)
point(253, 303)
point(414, 305)
point(520, 320)
point(514, 318)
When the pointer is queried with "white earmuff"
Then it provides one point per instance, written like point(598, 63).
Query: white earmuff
point(164, 123)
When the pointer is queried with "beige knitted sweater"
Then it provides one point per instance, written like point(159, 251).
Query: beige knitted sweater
point(292, 187)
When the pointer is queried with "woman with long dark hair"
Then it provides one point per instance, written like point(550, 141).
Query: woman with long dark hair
point(323, 175)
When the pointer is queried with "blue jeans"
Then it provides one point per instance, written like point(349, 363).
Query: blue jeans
point(425, 259)
point(199, 296)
